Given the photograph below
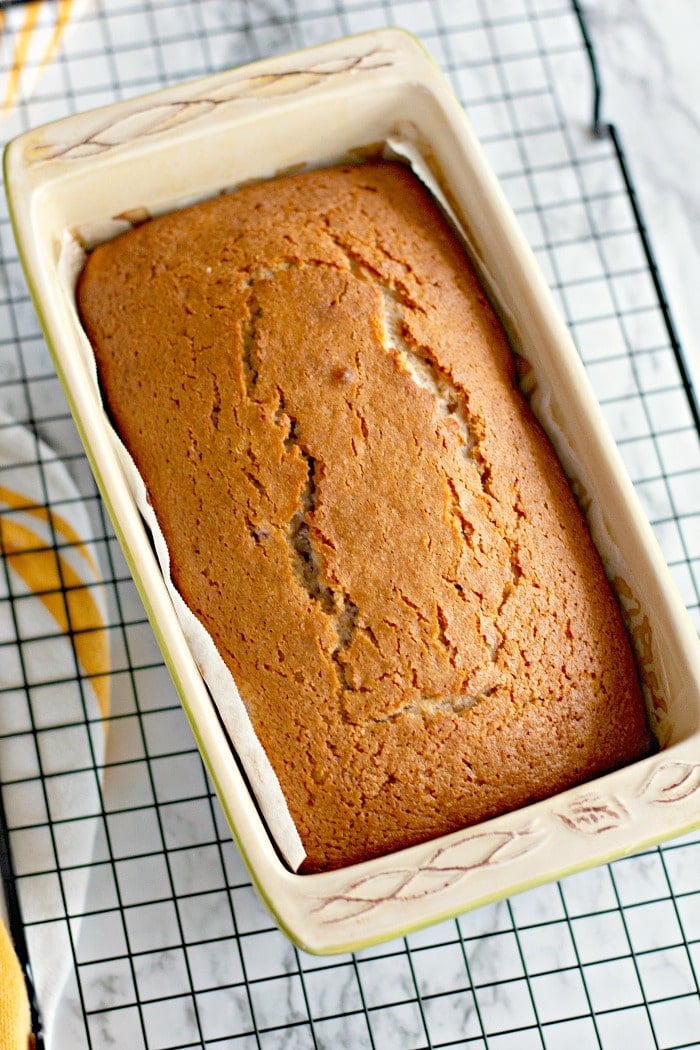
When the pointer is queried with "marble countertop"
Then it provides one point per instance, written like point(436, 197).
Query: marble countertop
point(608, 958)
point(647, 54)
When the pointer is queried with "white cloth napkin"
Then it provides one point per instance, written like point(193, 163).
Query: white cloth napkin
point(54, 672)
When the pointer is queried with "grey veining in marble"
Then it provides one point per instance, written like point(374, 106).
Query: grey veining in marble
point(651, 75)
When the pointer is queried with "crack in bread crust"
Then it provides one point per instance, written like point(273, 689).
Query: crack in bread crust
point(450, 401)
point(341, 610)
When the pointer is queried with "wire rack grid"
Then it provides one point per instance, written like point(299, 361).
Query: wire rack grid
point(168, 944)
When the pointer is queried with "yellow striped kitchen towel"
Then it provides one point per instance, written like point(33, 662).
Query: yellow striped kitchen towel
point(54, 629)
point(15, 1028)
point(33, 33)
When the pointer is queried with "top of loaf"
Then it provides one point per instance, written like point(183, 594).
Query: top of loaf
point(360, 507)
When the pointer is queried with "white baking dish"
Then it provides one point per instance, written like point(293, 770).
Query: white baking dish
point(92, 174)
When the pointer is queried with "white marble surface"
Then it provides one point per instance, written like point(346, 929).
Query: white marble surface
point(648, 57)
point(607, 958)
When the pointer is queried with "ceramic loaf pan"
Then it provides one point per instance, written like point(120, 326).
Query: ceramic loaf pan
point(91, 175)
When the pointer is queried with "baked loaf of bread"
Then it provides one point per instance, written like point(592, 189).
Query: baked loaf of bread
point(361, 508)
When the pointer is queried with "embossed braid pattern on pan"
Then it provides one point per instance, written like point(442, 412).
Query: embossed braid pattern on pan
point(360, 507)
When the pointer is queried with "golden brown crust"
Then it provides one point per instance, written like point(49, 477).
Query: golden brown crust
point(360, 507)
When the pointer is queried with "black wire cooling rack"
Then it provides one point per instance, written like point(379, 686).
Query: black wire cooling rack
point(168, 945)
